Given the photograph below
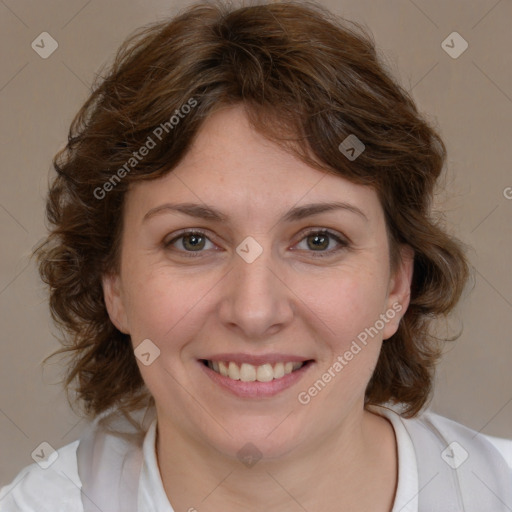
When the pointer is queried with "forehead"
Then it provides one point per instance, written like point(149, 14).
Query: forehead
point(234, 167)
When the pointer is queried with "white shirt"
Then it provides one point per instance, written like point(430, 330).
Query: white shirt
point(57, 488)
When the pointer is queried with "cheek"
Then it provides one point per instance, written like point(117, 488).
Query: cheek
point(346, 305)
point(160, 304)
point(346, 314)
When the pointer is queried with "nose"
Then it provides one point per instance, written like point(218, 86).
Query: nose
point(256, 301)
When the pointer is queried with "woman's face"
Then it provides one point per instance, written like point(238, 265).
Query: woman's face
point(261, 281)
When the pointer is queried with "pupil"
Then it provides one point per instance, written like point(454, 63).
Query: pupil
point(193, 241)
point(319, 238)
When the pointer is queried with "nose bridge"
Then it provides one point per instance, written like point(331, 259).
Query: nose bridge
point(256, 300)
point(255, 277)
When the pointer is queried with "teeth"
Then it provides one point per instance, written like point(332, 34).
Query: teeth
point(250, 373)
point(247, 372)
point(223, 369)
point(278, 370)
point(265, 373)
point(233, 371)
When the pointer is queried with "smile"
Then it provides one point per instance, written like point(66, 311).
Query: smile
point(259, 380)
point(249, 373)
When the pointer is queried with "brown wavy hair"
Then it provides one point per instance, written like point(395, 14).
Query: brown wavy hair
point(308, 79)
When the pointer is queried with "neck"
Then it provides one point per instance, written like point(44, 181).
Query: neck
point(355, 468)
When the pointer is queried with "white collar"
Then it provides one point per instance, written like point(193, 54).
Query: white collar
point(406, 498)
point(152, 496)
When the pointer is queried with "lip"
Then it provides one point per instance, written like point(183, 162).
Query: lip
point(257, 389)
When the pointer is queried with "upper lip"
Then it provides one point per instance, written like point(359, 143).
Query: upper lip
point(257, 360)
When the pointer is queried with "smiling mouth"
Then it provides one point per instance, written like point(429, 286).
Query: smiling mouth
point(246, 372)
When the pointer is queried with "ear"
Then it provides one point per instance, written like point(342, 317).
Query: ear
point(399, 291)
point(112, 293)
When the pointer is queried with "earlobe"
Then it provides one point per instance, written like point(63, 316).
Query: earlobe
point(399, 294)
point(114, 302)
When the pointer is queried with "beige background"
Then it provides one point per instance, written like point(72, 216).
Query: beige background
point(469, 98)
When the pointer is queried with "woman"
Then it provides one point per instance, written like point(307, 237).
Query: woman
point(245, 267)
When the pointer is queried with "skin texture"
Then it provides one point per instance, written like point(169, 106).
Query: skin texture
point(326, 455)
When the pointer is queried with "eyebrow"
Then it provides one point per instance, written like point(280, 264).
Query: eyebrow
point(210, 213)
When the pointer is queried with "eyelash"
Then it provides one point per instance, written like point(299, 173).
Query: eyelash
point(343, 244)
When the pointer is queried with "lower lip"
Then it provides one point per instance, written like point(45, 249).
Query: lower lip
point(256, 389)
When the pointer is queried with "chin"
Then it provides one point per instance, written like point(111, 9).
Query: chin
point(264, 440)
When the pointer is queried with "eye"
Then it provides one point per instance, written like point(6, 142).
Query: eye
point(319, 241)
point(189, 242)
